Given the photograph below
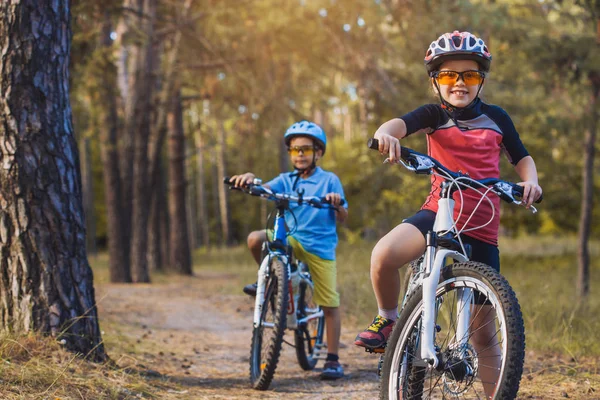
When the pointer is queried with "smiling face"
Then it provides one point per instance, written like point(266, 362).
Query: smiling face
point(303, 160)
point(458, 94)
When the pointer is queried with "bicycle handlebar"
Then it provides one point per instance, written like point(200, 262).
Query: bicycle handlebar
point(261, 191)
point(423, 164)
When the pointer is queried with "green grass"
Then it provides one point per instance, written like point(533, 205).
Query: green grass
point(542, 272)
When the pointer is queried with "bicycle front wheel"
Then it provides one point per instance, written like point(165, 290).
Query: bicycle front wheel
point(308, 337)
point(487, 362)
point(268, 336)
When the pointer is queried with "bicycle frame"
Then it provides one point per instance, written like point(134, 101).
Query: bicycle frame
point(433, 262)
point(280, 236)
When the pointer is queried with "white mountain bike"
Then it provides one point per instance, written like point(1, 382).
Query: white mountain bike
point(432, 352)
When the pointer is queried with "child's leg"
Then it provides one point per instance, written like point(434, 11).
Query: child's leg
point(485, 341)
point(255, 242)
point(333, 328)
point(401, 245)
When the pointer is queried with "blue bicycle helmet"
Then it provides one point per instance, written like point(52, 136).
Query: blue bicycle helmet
point(308, 129)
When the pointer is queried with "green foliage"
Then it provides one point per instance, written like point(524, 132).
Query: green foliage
point(258, 66)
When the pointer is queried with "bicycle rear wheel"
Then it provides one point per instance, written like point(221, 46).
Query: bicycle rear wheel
point(308, 337)
point(489, 363)
point(268, 336)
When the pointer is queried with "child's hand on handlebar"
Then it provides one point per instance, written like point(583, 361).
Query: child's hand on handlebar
point(389, 145)
point(531, 192)
point(242, 180)
point(334, 199)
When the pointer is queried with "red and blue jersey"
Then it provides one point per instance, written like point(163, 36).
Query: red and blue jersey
point(472, 143)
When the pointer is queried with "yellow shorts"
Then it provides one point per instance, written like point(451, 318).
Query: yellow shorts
point(323, 272)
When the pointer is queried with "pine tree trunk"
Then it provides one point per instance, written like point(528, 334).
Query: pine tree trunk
point(163, 219)
point(585, 221)
point(201, 188)
point(363, 111)
point(141, 196)
point(88, 194)
point(224, 210)
point(216, 183)
point(284, 157)
point(47, 283)
point(180, 260)
point(106, 102)
point(127, 67)
point(155, 260)
point(190, 202)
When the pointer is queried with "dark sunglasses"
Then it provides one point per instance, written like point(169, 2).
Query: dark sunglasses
point(470, 78)
point(306, 150)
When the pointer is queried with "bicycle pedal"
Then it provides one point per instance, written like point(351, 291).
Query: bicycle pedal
point(378, 350)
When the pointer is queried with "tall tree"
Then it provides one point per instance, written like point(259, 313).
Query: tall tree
point(224, 210)
point(46, 283)
point(587, 196)
point(88, 193)
point(104, 94)
point(180, 260)
point(144, 82)
point(200, 181)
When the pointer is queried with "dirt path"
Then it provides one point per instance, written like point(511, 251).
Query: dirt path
point(189, 333)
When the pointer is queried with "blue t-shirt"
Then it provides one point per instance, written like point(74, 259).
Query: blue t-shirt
point(314, 228)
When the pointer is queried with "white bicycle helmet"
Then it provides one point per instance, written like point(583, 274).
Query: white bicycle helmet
point(457, 46)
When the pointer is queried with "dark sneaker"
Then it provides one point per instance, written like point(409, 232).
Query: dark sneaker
point(250, 289)
point(376, 335)
point(332, 370)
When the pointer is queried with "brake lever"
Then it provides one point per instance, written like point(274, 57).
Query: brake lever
point(520, 203)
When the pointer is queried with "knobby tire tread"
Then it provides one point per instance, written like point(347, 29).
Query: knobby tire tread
point(515, 331)
point(263, 381)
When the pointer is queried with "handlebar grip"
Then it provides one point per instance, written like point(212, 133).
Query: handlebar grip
point(227, 181)
point(373, 143)
point(324, 200)
point(519, 190)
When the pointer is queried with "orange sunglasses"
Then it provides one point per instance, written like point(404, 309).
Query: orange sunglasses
point(470, 78)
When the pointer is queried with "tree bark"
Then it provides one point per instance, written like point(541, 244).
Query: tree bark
point(46, 283)
point(585, 220)
point(158, 234)
point(216, 183)
point(224, 210)
point(180, 260)
point(105, 96)
point(155, 258)
point(127, 66)
point(190, 202)
point(88, 194)
point(141, 196)
point(201, 189)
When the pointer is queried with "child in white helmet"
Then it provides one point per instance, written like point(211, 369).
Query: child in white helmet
point(464, 134)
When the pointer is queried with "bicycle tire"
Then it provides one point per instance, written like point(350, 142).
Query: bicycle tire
point(404, 375)
point(264, 352)
point(308, 337)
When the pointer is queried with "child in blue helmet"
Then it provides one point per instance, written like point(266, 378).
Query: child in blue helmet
point(315, 237)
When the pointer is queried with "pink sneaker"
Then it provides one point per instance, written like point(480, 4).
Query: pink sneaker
point(376, 335)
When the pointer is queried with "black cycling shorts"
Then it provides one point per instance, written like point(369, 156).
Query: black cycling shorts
point(481, 252)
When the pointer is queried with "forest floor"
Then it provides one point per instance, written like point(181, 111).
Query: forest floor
point(190, 339)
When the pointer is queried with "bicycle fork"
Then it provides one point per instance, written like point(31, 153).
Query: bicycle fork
point(259, 301)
